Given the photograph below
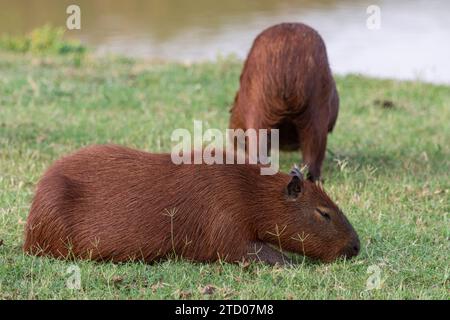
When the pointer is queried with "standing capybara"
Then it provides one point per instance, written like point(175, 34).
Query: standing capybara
point(286, 84)
point(114, 203)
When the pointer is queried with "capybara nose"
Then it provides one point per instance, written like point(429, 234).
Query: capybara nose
point(356, 249)
point(352, 250)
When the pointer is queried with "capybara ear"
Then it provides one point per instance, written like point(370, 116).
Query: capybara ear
point(295, 186)
point(297, 172)
point(319, 183)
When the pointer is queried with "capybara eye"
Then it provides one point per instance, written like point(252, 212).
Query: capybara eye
point(324, 214)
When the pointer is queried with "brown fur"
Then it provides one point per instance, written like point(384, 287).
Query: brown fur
point(287, 84)
point(113, 203)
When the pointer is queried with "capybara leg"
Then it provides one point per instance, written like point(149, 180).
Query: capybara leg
point(259, 251)
point(313, 143)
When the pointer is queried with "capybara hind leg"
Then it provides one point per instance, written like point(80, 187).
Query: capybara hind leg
point(313, 143)
point(259, 251)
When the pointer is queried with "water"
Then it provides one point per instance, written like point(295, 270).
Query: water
point(413, 41)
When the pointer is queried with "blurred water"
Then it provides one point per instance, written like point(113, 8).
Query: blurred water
point(412, 43)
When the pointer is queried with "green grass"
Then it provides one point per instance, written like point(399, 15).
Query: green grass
point(43, 40)
point(387, 168)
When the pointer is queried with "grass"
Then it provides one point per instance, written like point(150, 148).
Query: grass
point(44, 40)
point(388, 168)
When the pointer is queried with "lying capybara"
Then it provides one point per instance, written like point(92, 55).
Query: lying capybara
point(113, 203)
point(287, 84)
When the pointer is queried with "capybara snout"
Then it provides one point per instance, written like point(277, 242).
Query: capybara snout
point(115, 203)
point(352, 250)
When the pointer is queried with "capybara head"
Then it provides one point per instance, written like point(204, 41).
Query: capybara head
point(312, 224)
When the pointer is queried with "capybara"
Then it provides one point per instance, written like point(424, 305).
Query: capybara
point(287, 84)
point(112, 203)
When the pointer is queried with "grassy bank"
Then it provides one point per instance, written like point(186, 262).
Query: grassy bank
point(387, 166)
